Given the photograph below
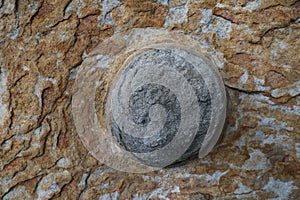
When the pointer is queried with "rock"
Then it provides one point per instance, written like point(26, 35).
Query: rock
point(166, 102)
point(167, 96)
point(51, 185)
point(253, 43)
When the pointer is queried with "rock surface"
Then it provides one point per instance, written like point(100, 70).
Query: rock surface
point(42, 44)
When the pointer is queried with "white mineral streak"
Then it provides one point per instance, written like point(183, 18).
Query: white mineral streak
point(38, 90)
point(69, 8)
point(157, 194)
point(113, 196)
point(274, 124)
point(220, 26)
point(107, 6)
point(3, 90)
point(213, 179)
point(152, 178)
point(253, 5)
point(242, 189)
point(64, 163)
point(239, 110)
point(282, 140)
point(208, 180)
point(177, 15)
point(257, 161)
point(292, 90)
point(244, 77)
point(73, 72)
point(163, 2)
point(33, 7)
point(207, 16)
point(281, 189)
point(279, 137)
point(259, 100)
point(297, 150)
point(83, 180)
point(8, 8)
point(25, 68)
point(52, 184)
point(104, 61)
point(259, 84)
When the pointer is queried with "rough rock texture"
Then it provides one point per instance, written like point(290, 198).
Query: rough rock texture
point(42, 44)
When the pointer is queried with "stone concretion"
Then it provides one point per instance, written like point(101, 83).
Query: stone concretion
point(42, 45)
point(165, 102)
point(165, 95)
point(160, 102)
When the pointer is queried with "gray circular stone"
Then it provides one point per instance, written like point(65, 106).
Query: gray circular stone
point(142, 100)
point(161, 106)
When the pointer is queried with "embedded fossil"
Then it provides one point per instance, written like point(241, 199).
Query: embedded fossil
point(163, 102)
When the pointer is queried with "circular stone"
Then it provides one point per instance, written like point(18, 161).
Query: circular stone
point(164, 77)
point(142, 102)
point(160, 97)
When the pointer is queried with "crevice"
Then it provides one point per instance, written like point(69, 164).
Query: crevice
point(272, 29)
point(25, 149)
point(16, 184)
point(12, 159)
point(224, 18)
point(34, 177)
point(57, 23)
point(36, 13)
point(270, 6)
point(7, 139)
point(286, 101)
point(18, 79)
point(8, 191)
point(11, 110)
point(89, 15)
point(107, 12)
point(86, 186)
point(262, 93)
point(66, 7)
point(43, 142)
point(20, 171)
point(16, 7)
point(62, 188)
point(243, 90)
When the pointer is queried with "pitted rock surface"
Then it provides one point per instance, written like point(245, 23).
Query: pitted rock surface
point(42, 46)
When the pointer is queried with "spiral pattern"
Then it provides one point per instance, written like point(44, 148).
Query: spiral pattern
point(160, 105)
point(147, 98)
point(139, 106)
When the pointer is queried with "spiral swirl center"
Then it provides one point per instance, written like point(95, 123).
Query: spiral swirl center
point(163, 78)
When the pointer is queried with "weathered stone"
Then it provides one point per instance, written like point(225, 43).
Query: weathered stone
point(42, 47)
point(139, 13)
point(159, 108)
point(165, 104)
